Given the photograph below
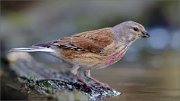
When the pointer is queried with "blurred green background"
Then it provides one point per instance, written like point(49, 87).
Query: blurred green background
point(150, 69)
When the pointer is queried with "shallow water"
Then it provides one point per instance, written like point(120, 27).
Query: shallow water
point(138, 84)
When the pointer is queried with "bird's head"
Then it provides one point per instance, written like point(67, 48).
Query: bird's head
point(130, 31)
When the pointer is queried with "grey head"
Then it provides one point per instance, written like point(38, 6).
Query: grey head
point(129, 31)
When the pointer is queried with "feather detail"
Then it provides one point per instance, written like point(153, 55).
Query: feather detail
point(46, 44)
point(32, 49)
point(91, 41)
point(116, 56)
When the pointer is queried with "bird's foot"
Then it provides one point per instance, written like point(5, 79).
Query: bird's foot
point(104, 85)
point(83, 81)
point(100, 83)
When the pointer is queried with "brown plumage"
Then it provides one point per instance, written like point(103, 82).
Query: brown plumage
point(92, 41)
point(85, 45)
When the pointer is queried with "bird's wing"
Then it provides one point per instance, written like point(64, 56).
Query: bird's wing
point(91, 41)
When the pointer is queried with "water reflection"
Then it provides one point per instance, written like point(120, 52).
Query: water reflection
point(137, 84)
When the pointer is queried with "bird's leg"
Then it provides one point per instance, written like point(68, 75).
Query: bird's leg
point(82, 80)
point(87, 74)
point(74, 71)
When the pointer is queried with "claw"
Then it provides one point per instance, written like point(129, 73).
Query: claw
point(100, 83)
point(79, 78)
point(87, 75)
point(104, 85)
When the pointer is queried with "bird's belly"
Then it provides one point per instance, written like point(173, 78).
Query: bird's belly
point(95, 60)
point(88, 59)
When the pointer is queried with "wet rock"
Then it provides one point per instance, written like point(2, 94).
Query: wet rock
point(47, 81)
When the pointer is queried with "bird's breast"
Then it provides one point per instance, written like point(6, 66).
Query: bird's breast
point(116, 56)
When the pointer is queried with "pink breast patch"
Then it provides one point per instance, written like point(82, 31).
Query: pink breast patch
point(116, 56)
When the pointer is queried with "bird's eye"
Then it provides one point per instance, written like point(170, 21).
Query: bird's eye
point(135, 29)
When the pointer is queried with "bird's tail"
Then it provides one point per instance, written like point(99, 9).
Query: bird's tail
point(33, 49)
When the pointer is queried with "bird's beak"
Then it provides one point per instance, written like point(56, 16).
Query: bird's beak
point(145, 34)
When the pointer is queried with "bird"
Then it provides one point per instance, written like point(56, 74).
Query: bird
point(93, 49)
